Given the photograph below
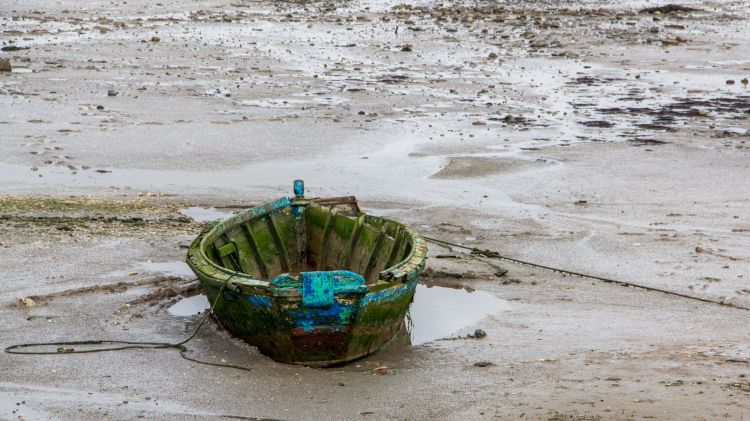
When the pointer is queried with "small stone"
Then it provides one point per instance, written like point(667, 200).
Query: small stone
point(479, 334)
point(406, 48)
point(744, 81)
point(155, 39)
point(491, 56)
point(673, 41)
point(5, 65)
point(483, 364)
point(27, 302)
point(111, 92)
point(730, 82)
point(100, 107)
point(379, 371)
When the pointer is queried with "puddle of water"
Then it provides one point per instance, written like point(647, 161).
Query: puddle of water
point(436, 312)
point(176, 268)
point(204, 214)
point(190, 306)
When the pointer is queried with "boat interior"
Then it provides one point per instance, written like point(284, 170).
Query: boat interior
point(319, 238)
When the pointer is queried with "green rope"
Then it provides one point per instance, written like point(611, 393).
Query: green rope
point(495, 255)
point(18, 348)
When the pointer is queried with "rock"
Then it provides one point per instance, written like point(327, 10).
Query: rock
point(483, 364)
point(491, 56)
point(673, 41)
point(669, 8)
point(111, 92)
point(381, 370)
point(406, 48)
point(478, 334)
point(155, 39)
point(5, 65)
point(27, 302)
point(744, 81)
point(730, 82)
point(13, 48)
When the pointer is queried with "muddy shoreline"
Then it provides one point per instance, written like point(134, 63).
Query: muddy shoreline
point(608, 139)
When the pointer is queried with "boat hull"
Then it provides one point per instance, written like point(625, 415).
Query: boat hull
point(306, 283)
point(289, 331)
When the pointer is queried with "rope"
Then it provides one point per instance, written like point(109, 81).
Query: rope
point(123, 345)
point(496, 255)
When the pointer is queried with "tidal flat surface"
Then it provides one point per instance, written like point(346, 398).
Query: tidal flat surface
point(605, 138)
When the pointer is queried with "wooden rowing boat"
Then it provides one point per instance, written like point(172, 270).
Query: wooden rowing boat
point(309, 281)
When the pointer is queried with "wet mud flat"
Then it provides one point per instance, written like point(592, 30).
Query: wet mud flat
point(609, 139)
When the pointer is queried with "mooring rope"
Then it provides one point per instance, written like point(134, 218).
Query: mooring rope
point(123, 345)
point(496, 255)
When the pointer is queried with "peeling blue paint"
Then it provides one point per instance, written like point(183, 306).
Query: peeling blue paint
point(318, 288)
point(258, 301)
point(391, 294)
point(337, 314)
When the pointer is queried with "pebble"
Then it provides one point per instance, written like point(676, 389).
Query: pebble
point(479, 333)
point(111, 92)
point(5, 65)
point(27, 302)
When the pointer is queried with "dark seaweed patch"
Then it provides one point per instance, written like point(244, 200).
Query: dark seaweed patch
point(669, 8)
point(597, 123)
point(685, 108)
point(646, 141)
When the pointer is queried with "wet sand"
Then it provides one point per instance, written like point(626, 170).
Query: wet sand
point(576, 134)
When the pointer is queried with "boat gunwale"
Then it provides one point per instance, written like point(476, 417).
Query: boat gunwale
point(406, 269)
